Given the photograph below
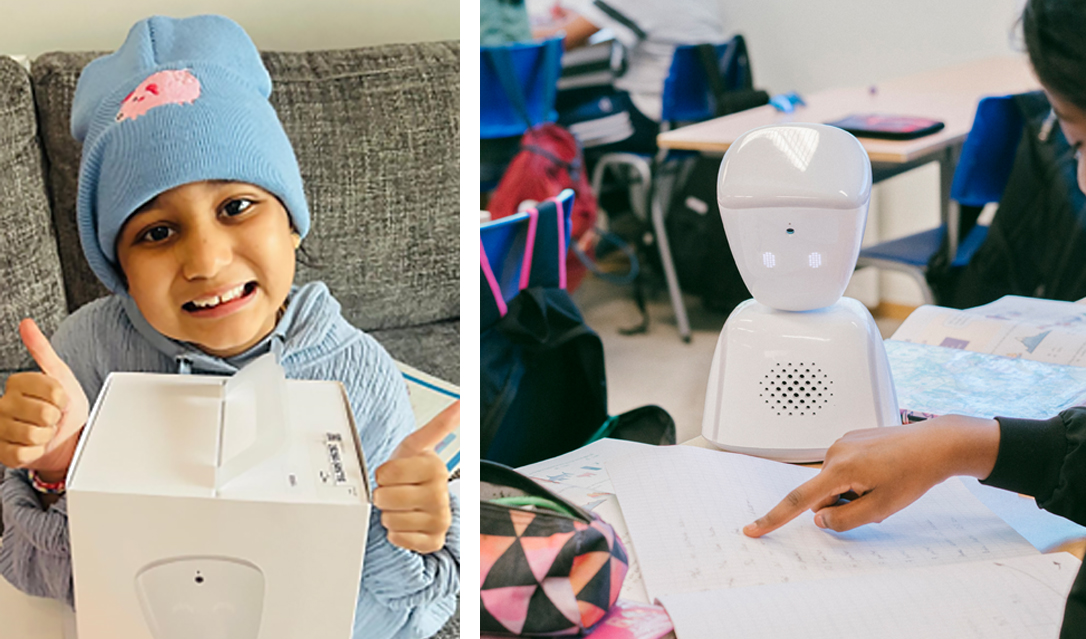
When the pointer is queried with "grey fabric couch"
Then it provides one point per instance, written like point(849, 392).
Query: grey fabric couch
point(376, 131)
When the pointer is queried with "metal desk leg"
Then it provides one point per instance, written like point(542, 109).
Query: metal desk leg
point(669, 267)
point(948, 209)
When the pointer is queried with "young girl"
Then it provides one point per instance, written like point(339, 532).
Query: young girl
point(190, 209)
point(886, 469)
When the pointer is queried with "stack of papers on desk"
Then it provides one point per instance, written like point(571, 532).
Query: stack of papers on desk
point(945, 566)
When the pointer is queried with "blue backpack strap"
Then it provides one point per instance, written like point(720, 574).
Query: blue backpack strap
point(548, 240)
point(493, 305)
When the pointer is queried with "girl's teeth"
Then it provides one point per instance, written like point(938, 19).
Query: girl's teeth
point(215, 301)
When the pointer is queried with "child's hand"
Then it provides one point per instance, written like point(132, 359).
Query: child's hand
point(413, 490)
point(41, 414)
point(882, 470)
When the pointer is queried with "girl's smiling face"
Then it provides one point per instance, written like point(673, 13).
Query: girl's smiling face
point(210, 263)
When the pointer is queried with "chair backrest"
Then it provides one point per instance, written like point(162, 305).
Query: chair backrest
point(688, 93)
point(988, 152)
point(518, 83)
point(505, 242)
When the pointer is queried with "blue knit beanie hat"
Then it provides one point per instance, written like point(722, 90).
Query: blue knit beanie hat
point(181, 101)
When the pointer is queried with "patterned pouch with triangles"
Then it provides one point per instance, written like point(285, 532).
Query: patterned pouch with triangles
point(549, 567)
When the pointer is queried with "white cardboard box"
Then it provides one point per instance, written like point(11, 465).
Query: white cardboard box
point(219, 508)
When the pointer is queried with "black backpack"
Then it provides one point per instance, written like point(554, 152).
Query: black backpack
point(544, 389)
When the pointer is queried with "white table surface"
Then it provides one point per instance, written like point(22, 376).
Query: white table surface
point(26, 617)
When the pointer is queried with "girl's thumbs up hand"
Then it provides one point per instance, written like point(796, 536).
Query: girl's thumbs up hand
point(41, 414)
point(412, 487)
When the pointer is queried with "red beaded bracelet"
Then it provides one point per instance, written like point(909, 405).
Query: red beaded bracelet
point(42, 486)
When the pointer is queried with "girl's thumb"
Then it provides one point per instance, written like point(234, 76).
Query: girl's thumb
point(41, 350)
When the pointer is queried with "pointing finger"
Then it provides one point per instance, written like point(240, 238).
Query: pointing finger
point(430, 435)
point(805, 496)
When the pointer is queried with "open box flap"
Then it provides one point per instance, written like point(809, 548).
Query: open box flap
point(262, 386)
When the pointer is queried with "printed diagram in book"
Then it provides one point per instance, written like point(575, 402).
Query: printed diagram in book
point(1042, 330)
point(1031, 342)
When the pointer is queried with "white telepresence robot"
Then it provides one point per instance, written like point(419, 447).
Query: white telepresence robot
point(797, 366)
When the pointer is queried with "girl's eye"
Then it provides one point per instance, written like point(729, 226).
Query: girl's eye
point(156, 234)
point(237, 207)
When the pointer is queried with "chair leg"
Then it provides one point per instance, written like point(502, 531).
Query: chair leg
point(925, 289)
point(669, 267)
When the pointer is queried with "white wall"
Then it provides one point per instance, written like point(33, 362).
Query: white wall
point(805, 46)
point(33, 27)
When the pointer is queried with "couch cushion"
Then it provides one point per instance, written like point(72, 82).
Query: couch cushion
point(376, 131)
point(433, 349)
point(29, 266)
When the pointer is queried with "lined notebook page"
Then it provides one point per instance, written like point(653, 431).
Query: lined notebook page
point(685, 506)
point(1016, 598)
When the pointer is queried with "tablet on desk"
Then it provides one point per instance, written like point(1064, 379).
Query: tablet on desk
point(887, 127)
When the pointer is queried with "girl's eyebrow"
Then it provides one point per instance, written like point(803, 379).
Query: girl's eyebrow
point(146, 206)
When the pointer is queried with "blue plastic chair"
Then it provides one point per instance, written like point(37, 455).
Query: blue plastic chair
point(518, 85)
point(984, 166)
point(687, 97)
point(504, 242)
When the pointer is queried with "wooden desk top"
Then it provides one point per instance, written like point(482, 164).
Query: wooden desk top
point(949, 94)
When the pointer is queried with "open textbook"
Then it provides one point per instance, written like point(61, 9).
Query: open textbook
point(1018, 356)
point(946, 566)
point(1035, 329)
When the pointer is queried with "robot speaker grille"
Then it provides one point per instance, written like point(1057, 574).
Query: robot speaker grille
point(796, 389)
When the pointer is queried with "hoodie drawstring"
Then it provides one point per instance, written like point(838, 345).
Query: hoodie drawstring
point(276, 346)
point(184, 365)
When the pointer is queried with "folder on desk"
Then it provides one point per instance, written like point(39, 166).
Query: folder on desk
point(887, 127)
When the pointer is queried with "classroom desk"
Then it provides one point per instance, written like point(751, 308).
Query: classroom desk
point(949, 94)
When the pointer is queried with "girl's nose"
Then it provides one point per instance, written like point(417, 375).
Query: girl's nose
point(204, 253)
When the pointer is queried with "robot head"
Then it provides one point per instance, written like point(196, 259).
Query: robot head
point(794, 198)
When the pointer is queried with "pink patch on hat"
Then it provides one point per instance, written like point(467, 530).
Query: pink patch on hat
point(164, 87)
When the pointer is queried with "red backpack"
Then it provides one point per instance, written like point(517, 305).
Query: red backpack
point(549, 161)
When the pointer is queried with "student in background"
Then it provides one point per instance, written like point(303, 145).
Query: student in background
point(503, 21)
point(649, 30)
point(884, 470)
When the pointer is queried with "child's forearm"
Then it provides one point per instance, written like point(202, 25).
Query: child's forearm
point(966, 445)
point(35, 556)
